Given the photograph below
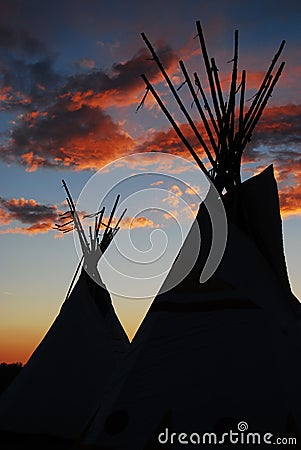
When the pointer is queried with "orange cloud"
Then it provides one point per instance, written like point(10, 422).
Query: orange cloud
point(13, 98)
point(79, 139)
point(123, 86)
point(104, 99)
point(157, 183)
point(176, 190)
point(137, 222)
point(5, 94)
point(40, 227)
point(172, 198)
point(4, 217)
point(290, 200)
point(280, 118)
point(41, 218)
point(133, 222)
point(193, 190)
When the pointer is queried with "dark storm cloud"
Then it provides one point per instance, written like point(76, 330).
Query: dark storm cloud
point(27, 77)
point(279, 126)
point(28, 211)
point(20, 42)
point(63, 137)
point(121, 84)
point(72, 129)
point(39, 218)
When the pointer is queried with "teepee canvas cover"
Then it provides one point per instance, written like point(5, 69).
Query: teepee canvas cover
point(208, 356)
point(211, 355)
point(60, 388)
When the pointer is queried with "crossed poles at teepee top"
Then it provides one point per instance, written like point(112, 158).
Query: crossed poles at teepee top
point(92, 251)
point(227, 136)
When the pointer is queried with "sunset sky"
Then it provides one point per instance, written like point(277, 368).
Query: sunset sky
point(69, 87)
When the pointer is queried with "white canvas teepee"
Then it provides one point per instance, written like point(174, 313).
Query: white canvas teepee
point(209, 356)
point(60, 388)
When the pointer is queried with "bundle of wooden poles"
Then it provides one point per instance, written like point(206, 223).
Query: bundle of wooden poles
point(99, 242)
point(227, 125)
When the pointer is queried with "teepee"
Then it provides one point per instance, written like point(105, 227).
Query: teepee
point(60, 388)
point(212, 355)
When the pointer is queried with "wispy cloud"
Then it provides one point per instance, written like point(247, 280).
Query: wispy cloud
point(157, 183)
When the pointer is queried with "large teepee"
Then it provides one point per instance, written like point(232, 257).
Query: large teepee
point(60, 388)
point(211, 355)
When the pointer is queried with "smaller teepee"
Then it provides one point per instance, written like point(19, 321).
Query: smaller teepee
point(60, 388)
